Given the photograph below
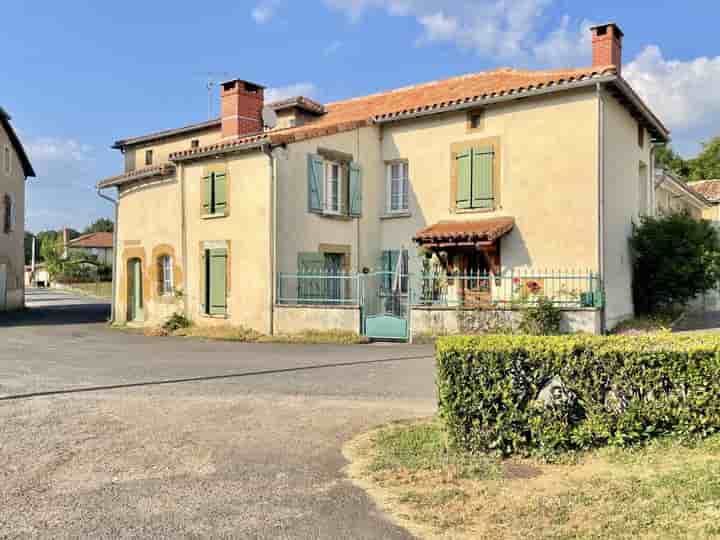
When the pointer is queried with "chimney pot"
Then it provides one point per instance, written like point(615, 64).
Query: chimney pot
point(241, 108)
point(607, 45)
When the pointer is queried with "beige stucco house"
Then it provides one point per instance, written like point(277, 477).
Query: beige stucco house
point(673, 194)
point(15, 168)
point(710, 191)
point(491, 174)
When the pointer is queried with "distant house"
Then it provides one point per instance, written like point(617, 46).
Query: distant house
point(97, 245)
point(15, 168)
point(710, 190)
point(673, 194)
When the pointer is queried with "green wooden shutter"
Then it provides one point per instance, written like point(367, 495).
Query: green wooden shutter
point(355, 207)
point(219, 193)
point(217, 277)
point(207, 193)
point(463, 162)
point(482, 177)
point(316, 182)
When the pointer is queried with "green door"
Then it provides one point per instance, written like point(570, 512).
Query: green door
point(135, 293)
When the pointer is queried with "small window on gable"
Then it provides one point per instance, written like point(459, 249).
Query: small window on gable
point(475, 120)
point(641, 136)
point(148, 157)
point(195, 143)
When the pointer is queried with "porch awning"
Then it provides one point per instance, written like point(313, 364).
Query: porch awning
point(459, 233)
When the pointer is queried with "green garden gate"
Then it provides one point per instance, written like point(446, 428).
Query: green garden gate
point(384, 305)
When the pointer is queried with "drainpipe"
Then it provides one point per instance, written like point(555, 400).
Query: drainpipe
point(115, 252)
point(272, 230)
point(601, 200)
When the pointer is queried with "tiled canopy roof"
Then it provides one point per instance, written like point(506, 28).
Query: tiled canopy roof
point(165, 169)
point(93, 240)
point(454, 232)
point(710, 189)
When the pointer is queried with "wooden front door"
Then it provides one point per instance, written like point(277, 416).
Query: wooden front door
point(134, 290)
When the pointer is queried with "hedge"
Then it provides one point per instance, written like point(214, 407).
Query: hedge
point(615, 390)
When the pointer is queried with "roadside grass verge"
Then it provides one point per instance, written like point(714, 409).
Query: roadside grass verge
point(102, 289)
point(665, 490)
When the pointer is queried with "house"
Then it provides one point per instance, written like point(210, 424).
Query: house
point(15, 168)
point(710, 191)
point(333, 215)
point(673, 194)
point(96, 245)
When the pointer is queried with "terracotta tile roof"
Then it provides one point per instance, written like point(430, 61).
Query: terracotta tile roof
point(436, 95)
point(93, 240)
point(710, 189)
point(481, 230)
point(249, 141)
point(165, 169)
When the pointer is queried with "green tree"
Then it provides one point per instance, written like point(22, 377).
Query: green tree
point(706, 166)
point(51, 252)
point(666, 158)
point(675, 258)
point(99, 225)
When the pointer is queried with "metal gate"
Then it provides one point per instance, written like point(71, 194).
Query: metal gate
point(384, 302)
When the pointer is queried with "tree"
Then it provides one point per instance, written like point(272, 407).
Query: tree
point(675, 258)
point(99, 225)
point(51, 250)
point(706, 166)
point(666, 158)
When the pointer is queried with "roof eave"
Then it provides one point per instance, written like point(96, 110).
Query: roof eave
point(28, 170)
point(219, 151)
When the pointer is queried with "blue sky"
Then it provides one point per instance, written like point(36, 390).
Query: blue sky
point(81, 74)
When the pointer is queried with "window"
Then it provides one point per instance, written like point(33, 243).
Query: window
point(215, 281)
point(334, 187)
point(641, 136)
point(148, 157)
point(165, 275)
point(394, 266)
point(215, 194)
point(6, 160)
point(475, 120)
point(195, 143)
point(474, 171)
point(333, 199)
point(9, 214)
point(397, 186)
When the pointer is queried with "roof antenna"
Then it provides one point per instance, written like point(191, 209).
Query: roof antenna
point(212, 79)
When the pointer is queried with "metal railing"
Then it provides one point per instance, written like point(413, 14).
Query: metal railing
point(320, 288)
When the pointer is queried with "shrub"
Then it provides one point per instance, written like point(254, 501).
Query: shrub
point(615, 390)
point(176, 321)
point(541, 319)
point(675, 258)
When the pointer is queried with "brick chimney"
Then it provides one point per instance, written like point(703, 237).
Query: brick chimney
point(607, 45)
point(241, 108)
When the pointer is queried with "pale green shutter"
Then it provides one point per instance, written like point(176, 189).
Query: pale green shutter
point(463, 162)
point(355, 208)
point(482, 177)
point(217, 277)
point(207, 193)
point(219, 193)
point(316, 182)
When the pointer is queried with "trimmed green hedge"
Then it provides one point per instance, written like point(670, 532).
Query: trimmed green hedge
point(616, 390)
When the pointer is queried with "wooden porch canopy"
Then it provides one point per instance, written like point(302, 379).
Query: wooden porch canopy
point(479, 233)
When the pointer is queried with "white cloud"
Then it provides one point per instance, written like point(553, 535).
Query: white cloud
point(299, 89)
point(264, 11)
point(52, 149)
point(565, 46)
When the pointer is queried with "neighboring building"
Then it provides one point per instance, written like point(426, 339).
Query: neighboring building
point(15, 168)
point(97, 246)
point(488, 172)
point(710, 190)
point(673, 194)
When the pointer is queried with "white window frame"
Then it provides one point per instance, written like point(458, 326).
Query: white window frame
point(167, 285)
point(333, 188)
point(403, 187)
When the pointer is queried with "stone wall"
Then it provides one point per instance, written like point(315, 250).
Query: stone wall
point(294, 319)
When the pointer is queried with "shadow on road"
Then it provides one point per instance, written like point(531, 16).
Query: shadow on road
point(49, 307)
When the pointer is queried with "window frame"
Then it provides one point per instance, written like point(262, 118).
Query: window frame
point(337, 183)
point(166, 277)
point(403, 187)
point(149, 157)
point(195, 143)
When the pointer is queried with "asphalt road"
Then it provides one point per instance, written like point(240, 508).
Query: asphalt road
point(107, 434)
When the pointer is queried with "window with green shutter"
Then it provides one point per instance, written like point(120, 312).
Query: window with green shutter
point(334, 186)
point(216, 281)
point(475, 173)
point(214, 188)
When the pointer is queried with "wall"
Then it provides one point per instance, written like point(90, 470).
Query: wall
point(295, 319)
point(135, 154)
point(12, 244)
point(436, 322)
point(623, 157)
point(148, 227)
point(548, 177)
point(244, 230)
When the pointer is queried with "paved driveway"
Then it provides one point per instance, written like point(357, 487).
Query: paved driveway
point(112, 435)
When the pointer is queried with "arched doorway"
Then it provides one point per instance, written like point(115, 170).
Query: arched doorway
point(134, 290)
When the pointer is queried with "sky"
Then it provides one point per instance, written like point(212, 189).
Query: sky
point(78, 75)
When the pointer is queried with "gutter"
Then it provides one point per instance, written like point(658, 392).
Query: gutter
point(114, 202)
point(272, 230)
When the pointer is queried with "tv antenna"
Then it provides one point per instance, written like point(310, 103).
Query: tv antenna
point(212, 79)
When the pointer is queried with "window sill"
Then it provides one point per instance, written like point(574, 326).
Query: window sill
point(396, 215)
point(215, 316)
point(475, 210)
point(332, 215)
point(213, 216)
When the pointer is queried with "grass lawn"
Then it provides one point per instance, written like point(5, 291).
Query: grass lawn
point(102, 289)
point(663, 491)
